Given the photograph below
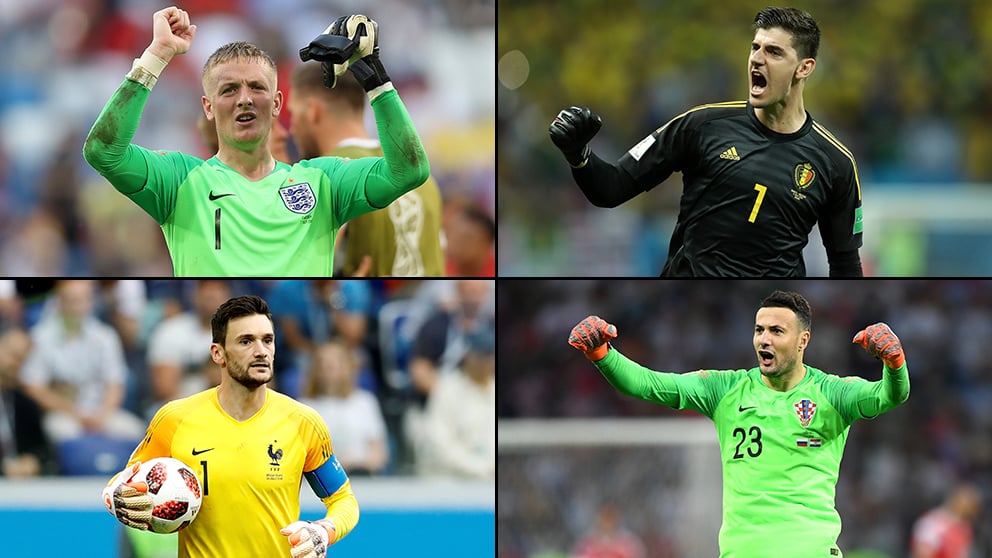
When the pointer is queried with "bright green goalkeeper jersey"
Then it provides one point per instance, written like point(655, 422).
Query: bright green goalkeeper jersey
point(218, 223)
point(781, 451)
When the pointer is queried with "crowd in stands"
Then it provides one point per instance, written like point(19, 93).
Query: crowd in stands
point(85, 364)
point(895, 467)
point(64, 60)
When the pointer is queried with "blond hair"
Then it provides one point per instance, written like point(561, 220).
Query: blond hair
point(239, 50)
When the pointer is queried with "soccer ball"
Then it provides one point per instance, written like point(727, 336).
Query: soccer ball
point(175, 490)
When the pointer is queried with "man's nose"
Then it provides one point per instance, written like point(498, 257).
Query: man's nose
point(244, 99)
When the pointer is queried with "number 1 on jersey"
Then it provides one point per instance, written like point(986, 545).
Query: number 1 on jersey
point(757, 203)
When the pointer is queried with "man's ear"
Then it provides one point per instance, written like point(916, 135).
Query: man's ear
point(277, 103)
point(806, 67)
point(208, 108)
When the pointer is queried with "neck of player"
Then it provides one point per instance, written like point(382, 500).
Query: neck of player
point(238, 401)
point(254, 164)
point(333, 136)
point(786, 380)
point(784, 117)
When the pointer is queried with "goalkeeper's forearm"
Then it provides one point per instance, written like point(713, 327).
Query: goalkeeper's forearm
point(639, 381)
point(108, 146)
point(342, 511)
point(604, 184)
point(886, 394)
point(896, 382)
point(405, 162)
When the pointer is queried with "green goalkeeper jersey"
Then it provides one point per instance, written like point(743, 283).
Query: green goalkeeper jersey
point(781, 451)
point(216, 222)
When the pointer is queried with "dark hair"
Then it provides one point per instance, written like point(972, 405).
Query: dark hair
point(308, 78)
point(236, 307)
point(240, 50)
point(802, 26)
point(481, 219)
point(792, 301)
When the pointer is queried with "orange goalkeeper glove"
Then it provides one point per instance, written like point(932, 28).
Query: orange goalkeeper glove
point(591, 336)
point(880, 342)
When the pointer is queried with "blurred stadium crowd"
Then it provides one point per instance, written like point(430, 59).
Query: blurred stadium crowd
point(402, 371)
point(63, 60)
point(897, 82)
point(895, 467)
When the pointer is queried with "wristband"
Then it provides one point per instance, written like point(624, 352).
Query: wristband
point(599, 353)
point(388, 86)
point(146, 69)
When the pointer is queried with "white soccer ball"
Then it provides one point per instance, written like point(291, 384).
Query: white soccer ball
point(176, 493)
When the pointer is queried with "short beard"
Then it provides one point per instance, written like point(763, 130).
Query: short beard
point(240, 374)
point(786, 367)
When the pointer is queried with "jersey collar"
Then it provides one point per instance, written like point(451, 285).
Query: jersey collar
point(778, 136)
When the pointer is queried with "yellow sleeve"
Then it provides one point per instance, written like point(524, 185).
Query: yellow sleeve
point(342, 507)
point(342, 511)
point(158, 437)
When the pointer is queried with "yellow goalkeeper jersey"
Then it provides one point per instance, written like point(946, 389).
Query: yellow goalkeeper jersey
point(251, 471)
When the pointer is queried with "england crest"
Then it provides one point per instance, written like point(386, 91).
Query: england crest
point(299, 198)
point(805, 408)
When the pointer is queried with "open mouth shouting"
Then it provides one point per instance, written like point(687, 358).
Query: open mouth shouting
point(766, 358)
point(759, 83)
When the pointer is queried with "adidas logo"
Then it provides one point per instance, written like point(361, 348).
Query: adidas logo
point(731, 154)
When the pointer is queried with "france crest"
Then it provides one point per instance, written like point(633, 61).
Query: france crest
point(299, 198)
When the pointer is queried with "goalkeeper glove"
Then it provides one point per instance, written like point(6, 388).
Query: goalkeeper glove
point(309, 539)
point(350, 42)
point(591, 336)
point(129, 501)
point(880, 342)
point(571, 131)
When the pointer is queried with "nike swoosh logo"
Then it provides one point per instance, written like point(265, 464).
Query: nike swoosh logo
point(206, 450)
point(213, 196)
point(740, 409)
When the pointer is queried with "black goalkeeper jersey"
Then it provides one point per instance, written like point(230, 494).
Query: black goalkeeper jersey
point(751, 195)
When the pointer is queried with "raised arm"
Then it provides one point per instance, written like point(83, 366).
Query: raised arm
point(604, 184)
point(108, 147)
point(352, 42)
point(699, 391)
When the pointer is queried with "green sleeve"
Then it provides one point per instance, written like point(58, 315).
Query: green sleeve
point(698, 391)
point(858, 398)
point(149, 178)
point(404, 165)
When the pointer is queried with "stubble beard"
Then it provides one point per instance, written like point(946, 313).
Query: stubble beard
point(242, 375)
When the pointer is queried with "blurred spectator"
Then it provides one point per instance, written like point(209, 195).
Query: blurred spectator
point(307, 313)
point(460, 421)
point(359, 430)
point(471, 243)
point(403, 239)
point(608, 538)
point(76, 371)
point(946, 531)
point(24, 448)
point(440, 342)
point(179, 360)
point(11, 309)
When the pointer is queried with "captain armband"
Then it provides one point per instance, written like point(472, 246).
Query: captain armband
point(328, 478)
point(146, 69)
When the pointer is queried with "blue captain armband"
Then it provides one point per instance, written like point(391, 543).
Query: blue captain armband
point(328, 478)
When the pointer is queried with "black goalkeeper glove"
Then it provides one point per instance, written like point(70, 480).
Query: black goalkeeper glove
point(350, 42)
point(571, 132)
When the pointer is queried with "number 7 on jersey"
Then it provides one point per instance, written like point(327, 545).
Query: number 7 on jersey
point(757, 203)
